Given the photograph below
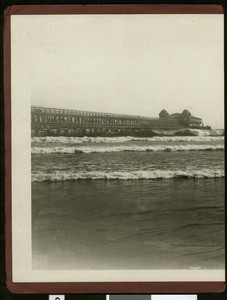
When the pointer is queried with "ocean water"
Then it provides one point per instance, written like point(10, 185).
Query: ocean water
point(128, 203)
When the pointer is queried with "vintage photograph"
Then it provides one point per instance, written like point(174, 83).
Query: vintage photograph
point(127, 147)
point(126, 126)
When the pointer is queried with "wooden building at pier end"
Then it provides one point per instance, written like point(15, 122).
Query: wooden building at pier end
point(64, 122)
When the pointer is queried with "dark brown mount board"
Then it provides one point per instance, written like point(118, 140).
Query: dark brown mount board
point(86, 287)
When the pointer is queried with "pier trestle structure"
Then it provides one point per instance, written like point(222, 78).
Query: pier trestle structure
point(64, 122)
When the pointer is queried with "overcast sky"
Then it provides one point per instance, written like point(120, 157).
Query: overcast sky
point(133, 64)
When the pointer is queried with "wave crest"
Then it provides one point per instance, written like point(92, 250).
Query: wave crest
point(157, 148)
point(123, 139)
point(125, 175)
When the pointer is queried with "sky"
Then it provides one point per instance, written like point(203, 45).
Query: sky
point(131, 64)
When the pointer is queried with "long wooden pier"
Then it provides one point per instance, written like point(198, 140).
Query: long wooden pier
point(64, 122)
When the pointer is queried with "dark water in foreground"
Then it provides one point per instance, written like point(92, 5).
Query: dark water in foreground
point(141, 224)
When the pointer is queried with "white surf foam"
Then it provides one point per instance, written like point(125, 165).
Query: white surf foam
point(157, 148)
point(125, 175)
point(112, 140)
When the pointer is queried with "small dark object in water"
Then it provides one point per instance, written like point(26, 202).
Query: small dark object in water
point(77, 151)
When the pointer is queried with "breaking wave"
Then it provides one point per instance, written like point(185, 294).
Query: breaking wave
point(157, 148)
point(123, 139)
point(125, 175)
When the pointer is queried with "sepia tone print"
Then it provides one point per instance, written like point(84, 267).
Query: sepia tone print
point(121, 174)
point(122, 187)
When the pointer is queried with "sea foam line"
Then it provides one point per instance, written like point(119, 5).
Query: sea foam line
point(157, 148)
point(123, 139)
point(125, 175)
